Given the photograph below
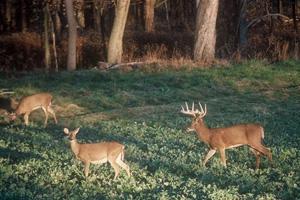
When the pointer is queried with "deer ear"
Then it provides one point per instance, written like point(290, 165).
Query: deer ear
point(66, 131)
point(76, 131)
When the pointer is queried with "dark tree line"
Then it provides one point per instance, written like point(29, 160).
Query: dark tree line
point(218, 28)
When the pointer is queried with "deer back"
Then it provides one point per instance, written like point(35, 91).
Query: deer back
point(240, 134)
point(29, 103)
point(98, 151)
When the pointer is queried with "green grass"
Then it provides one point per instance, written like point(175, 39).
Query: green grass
point(141, 110)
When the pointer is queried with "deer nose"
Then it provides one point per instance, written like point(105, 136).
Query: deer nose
point(12, 117)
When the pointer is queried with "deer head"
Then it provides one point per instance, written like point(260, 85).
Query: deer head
point(197, 115)
point(71, 134)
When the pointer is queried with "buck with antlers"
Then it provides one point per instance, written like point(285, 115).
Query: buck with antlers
point(98, 153)
point(220, 139)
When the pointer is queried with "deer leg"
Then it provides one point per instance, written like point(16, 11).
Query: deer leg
point(257, 157)
point(208, 156)
point(26, 118)
point(260, 148)
point(86, 169)
point(270, 156)
point(116, 168)
point(122, 164)
point(46, 116)
point(50, 110)
point(223, 156)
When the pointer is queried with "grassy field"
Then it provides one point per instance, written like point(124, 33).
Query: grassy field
point(141, 109)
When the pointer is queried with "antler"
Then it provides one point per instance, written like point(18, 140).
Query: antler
point(193, 112)
point(203, 112)
point(5, 91)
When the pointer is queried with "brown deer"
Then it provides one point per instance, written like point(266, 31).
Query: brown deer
point(30, 103)
point(7, 104)
point(98, 153)
point(220, 139)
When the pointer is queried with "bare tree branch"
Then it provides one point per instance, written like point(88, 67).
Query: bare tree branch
point(259, 19)
point(108, 66)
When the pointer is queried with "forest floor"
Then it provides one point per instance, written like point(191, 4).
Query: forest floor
point(141, 109)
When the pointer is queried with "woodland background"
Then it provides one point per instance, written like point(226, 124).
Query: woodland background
point(34, 34)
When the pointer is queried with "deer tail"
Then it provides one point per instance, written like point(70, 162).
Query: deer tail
point(262, 133)
point(122, 154)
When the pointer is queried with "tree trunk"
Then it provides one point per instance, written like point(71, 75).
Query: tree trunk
point(2, 16)
point(138, 15)
point(57, 25)
point(71, 63)
point(296, 43)
point(149, 15)
point(280, 7)
point(197, 3)
point(103, 27)
point(243, 25)
point(115, 45)
point(13, 16)
point(53, 41)
point(205, 35)
point(96, 15)
point(23, 16)
point(295, 7)
point(80, 14)
point(167, 14)
point(46, 38)
point(8, 15)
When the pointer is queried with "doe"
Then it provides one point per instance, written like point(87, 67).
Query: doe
point(98, 153)
point(30, 103)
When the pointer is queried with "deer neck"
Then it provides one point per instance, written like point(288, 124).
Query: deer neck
point(18, 111)
point(203, 132)
point(75, 146)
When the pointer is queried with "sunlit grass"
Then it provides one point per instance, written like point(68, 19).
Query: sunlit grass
point(141, 110)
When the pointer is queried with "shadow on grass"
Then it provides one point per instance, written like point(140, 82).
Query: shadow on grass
point(14, 156)
point(222, 178)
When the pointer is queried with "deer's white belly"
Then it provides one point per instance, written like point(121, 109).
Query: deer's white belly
point(233, 146)
point(37, 107)
point(104, 160)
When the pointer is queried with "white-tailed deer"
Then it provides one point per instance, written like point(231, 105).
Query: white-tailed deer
point(33, 102)
point(98, 153)
point(220, 139)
